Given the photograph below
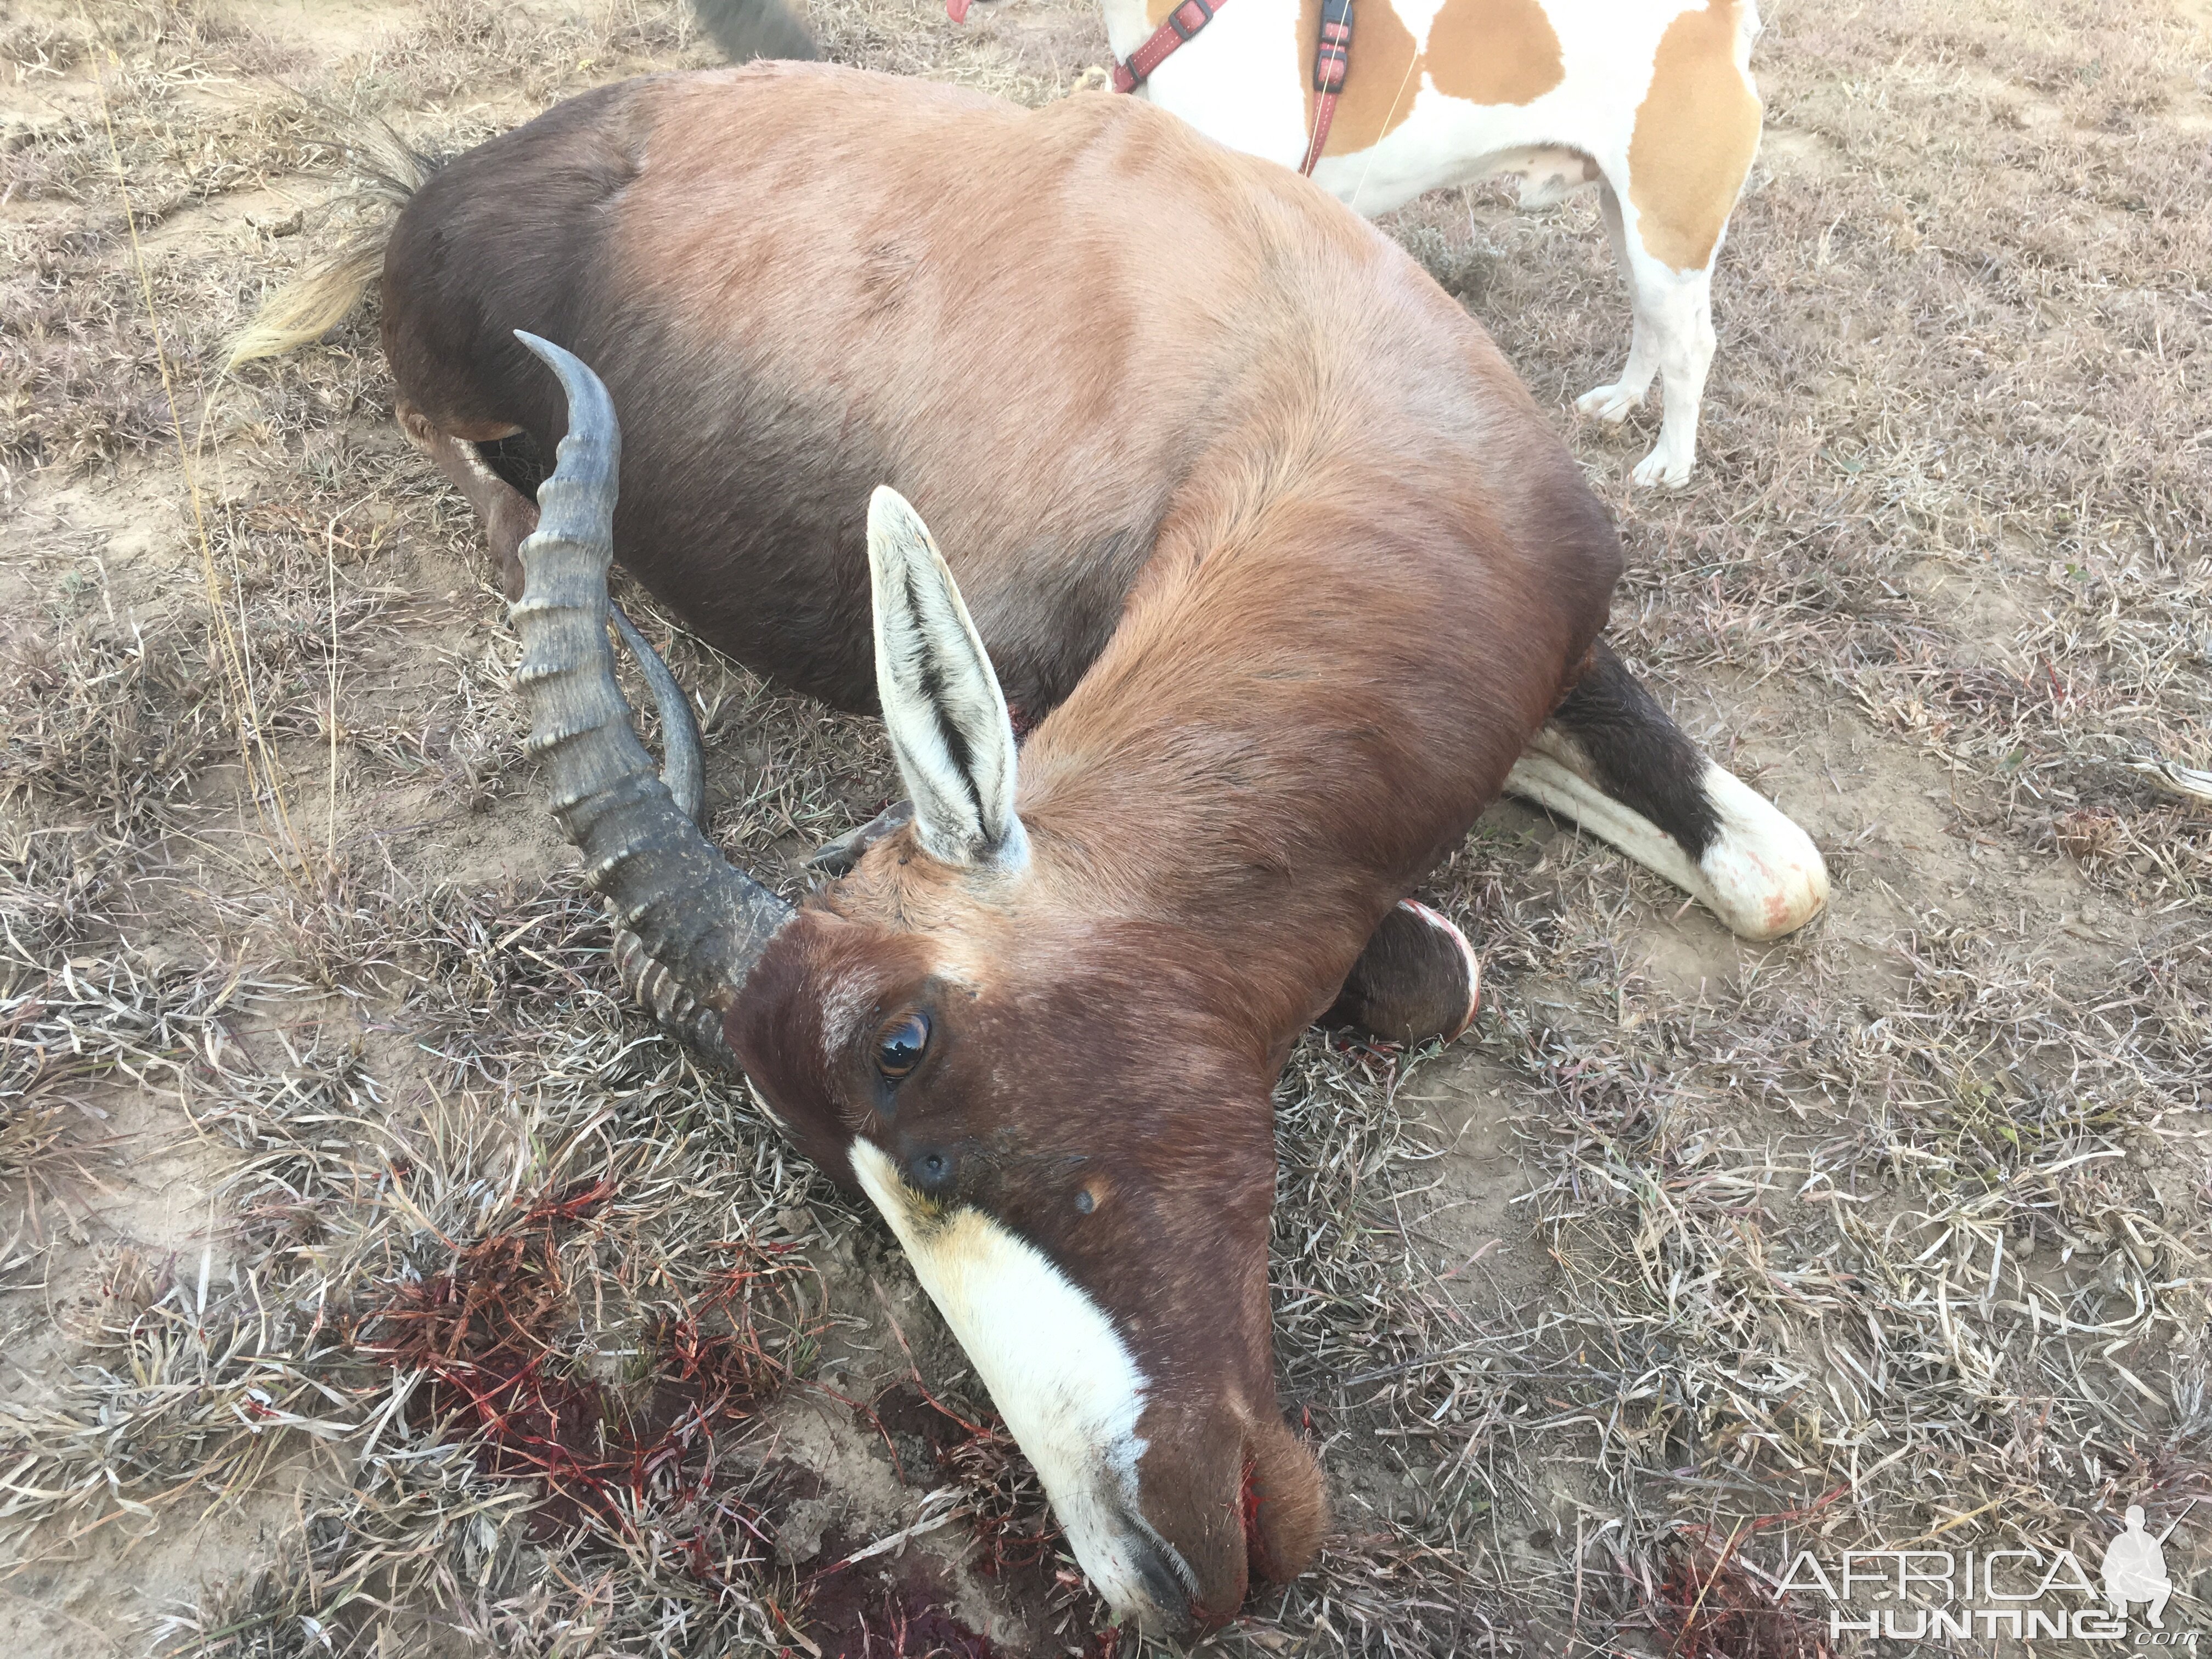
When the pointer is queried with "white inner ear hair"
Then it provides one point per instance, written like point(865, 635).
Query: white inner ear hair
point(942, 705)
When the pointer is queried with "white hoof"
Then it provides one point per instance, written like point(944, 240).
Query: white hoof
point(1662, 467)
point(1609, 403)
point(1764, 877)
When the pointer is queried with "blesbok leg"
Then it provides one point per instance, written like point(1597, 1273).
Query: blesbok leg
point(508, 515)
point(1418, 978)
point(837, 858)
point(1611, 760)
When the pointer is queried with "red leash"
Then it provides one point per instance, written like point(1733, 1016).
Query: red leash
point(1331, 59)
point(1332, 63)
point(1185, 20)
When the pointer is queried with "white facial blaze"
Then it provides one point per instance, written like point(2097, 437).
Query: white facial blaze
point(1056, 1369)
point(942, 709)
point(1762, 876)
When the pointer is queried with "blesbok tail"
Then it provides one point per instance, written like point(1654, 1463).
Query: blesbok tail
point(745, 29)
point(389, 171)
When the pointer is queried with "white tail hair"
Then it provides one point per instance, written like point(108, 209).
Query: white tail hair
point(388, 170)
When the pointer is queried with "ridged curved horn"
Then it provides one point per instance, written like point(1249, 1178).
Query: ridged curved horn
point(688, 927)
point(681, 767)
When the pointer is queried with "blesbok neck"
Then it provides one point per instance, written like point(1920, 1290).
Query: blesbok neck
point(1271, 750)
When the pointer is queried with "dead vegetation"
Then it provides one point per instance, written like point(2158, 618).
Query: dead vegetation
point(374, 1281)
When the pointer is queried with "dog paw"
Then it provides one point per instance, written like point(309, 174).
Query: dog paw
point(1662, 467)
point(1609, 403)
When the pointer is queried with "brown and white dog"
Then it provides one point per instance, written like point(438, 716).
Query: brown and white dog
point(1650, 100)
point(1249, 517)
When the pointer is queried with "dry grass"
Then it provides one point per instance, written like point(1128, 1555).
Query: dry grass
point(485, 1324)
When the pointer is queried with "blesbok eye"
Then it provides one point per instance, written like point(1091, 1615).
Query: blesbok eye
point(899, 1045)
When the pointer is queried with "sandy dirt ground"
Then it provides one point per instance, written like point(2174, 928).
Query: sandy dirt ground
point(373, 1279)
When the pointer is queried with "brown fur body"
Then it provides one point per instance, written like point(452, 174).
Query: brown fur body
point(1230, 488)
point(1319, 563)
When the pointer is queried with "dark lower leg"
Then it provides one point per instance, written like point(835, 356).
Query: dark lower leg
point(1417, 979)
point(1610, 759)
point(1636, 753)
point(508, 515)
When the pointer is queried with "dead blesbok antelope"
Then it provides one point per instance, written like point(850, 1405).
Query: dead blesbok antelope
point(1243, 514)
point(1650, 100)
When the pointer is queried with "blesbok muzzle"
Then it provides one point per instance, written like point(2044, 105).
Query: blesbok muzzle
point(1175, 1487)
point(1158, 1440)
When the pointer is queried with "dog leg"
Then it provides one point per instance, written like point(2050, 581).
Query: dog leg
point(1694, 138)
point(1679, 308)
point(1611, 403)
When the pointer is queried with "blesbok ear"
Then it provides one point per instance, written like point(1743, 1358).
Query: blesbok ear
point(942, 705)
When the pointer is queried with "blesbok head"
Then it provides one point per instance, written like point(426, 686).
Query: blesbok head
point(1058, 1105)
